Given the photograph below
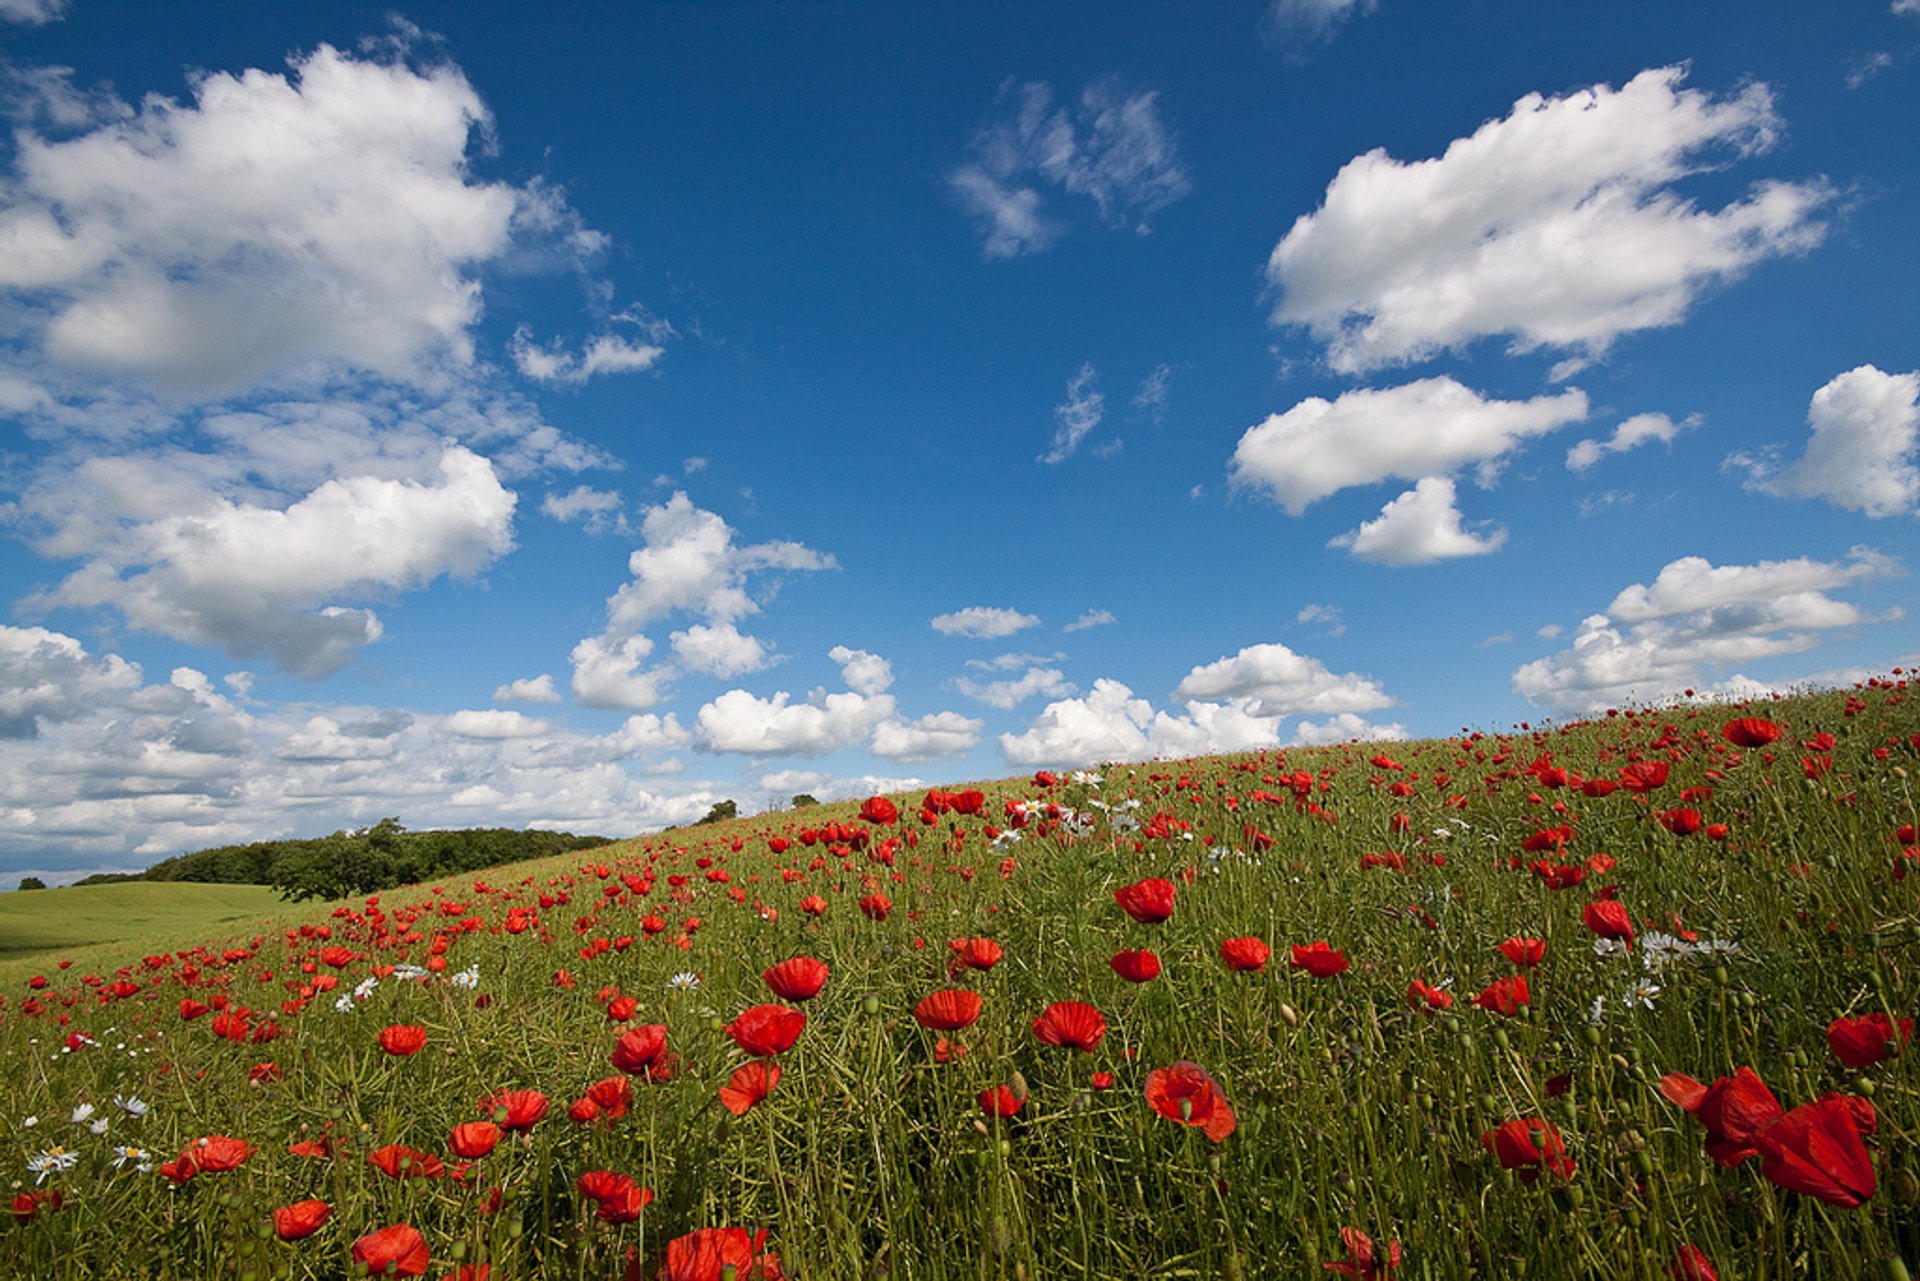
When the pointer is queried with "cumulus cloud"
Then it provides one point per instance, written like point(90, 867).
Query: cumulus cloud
point(982, 621)
point(720, 650)
point(1343, 728)
point(1419, 527)
point(864, 673)
point(325, 216)
point(1419, 430)
point(1559, 225)
point(49, 676)
point(494, 723)
point(1075, 416)
point(256, 580)
point(538, 689)
point(1328, 618)
point(1860, 455)
point(738, 721)
point(1694, 619)
point(1004, 694)
point(1630, 434)
point(930, 738)
point(689, 562)
point(1112, 148)
point(1275, 681)
point(1110, 724)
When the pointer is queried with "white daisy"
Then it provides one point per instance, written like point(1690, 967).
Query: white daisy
point(684, 981)
point(54, 1160)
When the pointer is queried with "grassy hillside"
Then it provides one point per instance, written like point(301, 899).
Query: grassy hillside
point(137, 914)
point(1613, 999)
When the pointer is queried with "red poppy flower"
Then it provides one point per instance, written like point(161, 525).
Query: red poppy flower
point(948, 1010)
point(798, 978)
point(515, 1110)
point(1136, 967)
point(217, 1153)
point(1245, 954)
point(975, 954)
point(879, 810)
point(1149, 901)
point(1608, 919)
point(625, 1202)
point(813, 905)
point(711, 1253)
point(611, 1096)
point(473, 1140)
point(1318, 959)
point(26, 1205)
point(1000, 1101)
point(1073, 1024)
point(301, 1219)
point(1644, 776)
point(1103, 1080)
point(1524, 951)
point(1426, 999)
point(1865, 1041)
point(765, 1030)
point(1529, 1146)
point(1689, 1264)
point(1751, 731)
point(400, 1162)
point(1361, 1261)
point(748, 1086)
point(1682, 822)
point(1504, 996)
point(875, 907)
point(1734, 1109)
point(1815, 1150)
point(622, 1008)
point(1185, 1093)
point(403, 1039)
point(639, 1049)
point(400, 1248)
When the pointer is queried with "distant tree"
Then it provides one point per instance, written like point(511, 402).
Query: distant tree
point(802, 801)
point(721, 812)
point(32, 883)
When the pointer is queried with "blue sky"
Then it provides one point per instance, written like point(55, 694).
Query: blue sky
point(573, 420)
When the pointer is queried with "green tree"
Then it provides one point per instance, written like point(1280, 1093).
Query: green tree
point(722, 811)
point(802, 801)
point(32, 883)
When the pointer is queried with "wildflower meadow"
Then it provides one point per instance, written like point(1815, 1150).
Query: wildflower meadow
point(1625, 998)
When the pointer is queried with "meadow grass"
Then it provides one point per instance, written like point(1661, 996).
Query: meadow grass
point(1354, 1106)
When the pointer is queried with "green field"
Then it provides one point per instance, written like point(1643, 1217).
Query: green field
point(144, 915)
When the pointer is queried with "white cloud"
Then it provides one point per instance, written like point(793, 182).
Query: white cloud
point(689, 561)
point(1112, 149)
point(608, 673)
point(1558, 225)
point(1150, 398)
point(1075, 416)
point(1694, 619)
point(721, 650)
point(1419, 527)
point(1899, 6)
point(1632, 432)
point(255, 580)
point(738, 721)
point(1091, 618)
point(1296, 22)
point(1276, 681)
point(48, 676)
point(39, 12)
point(864, 673)
point(930, 738)
point(275, 222)
point(1422, 429)
point(1327, 618)
point(982, 621)
point(642, 734)
point(1861, 454)
point(1110, 724)
point(600, 511)
point(1050, 681)
point(494, 723)
point(605, 354)
point(538, 689)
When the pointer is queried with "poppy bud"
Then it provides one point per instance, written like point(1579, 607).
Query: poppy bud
point(1894, 1268)
point(1289, 1015)
point(1906, 1185)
